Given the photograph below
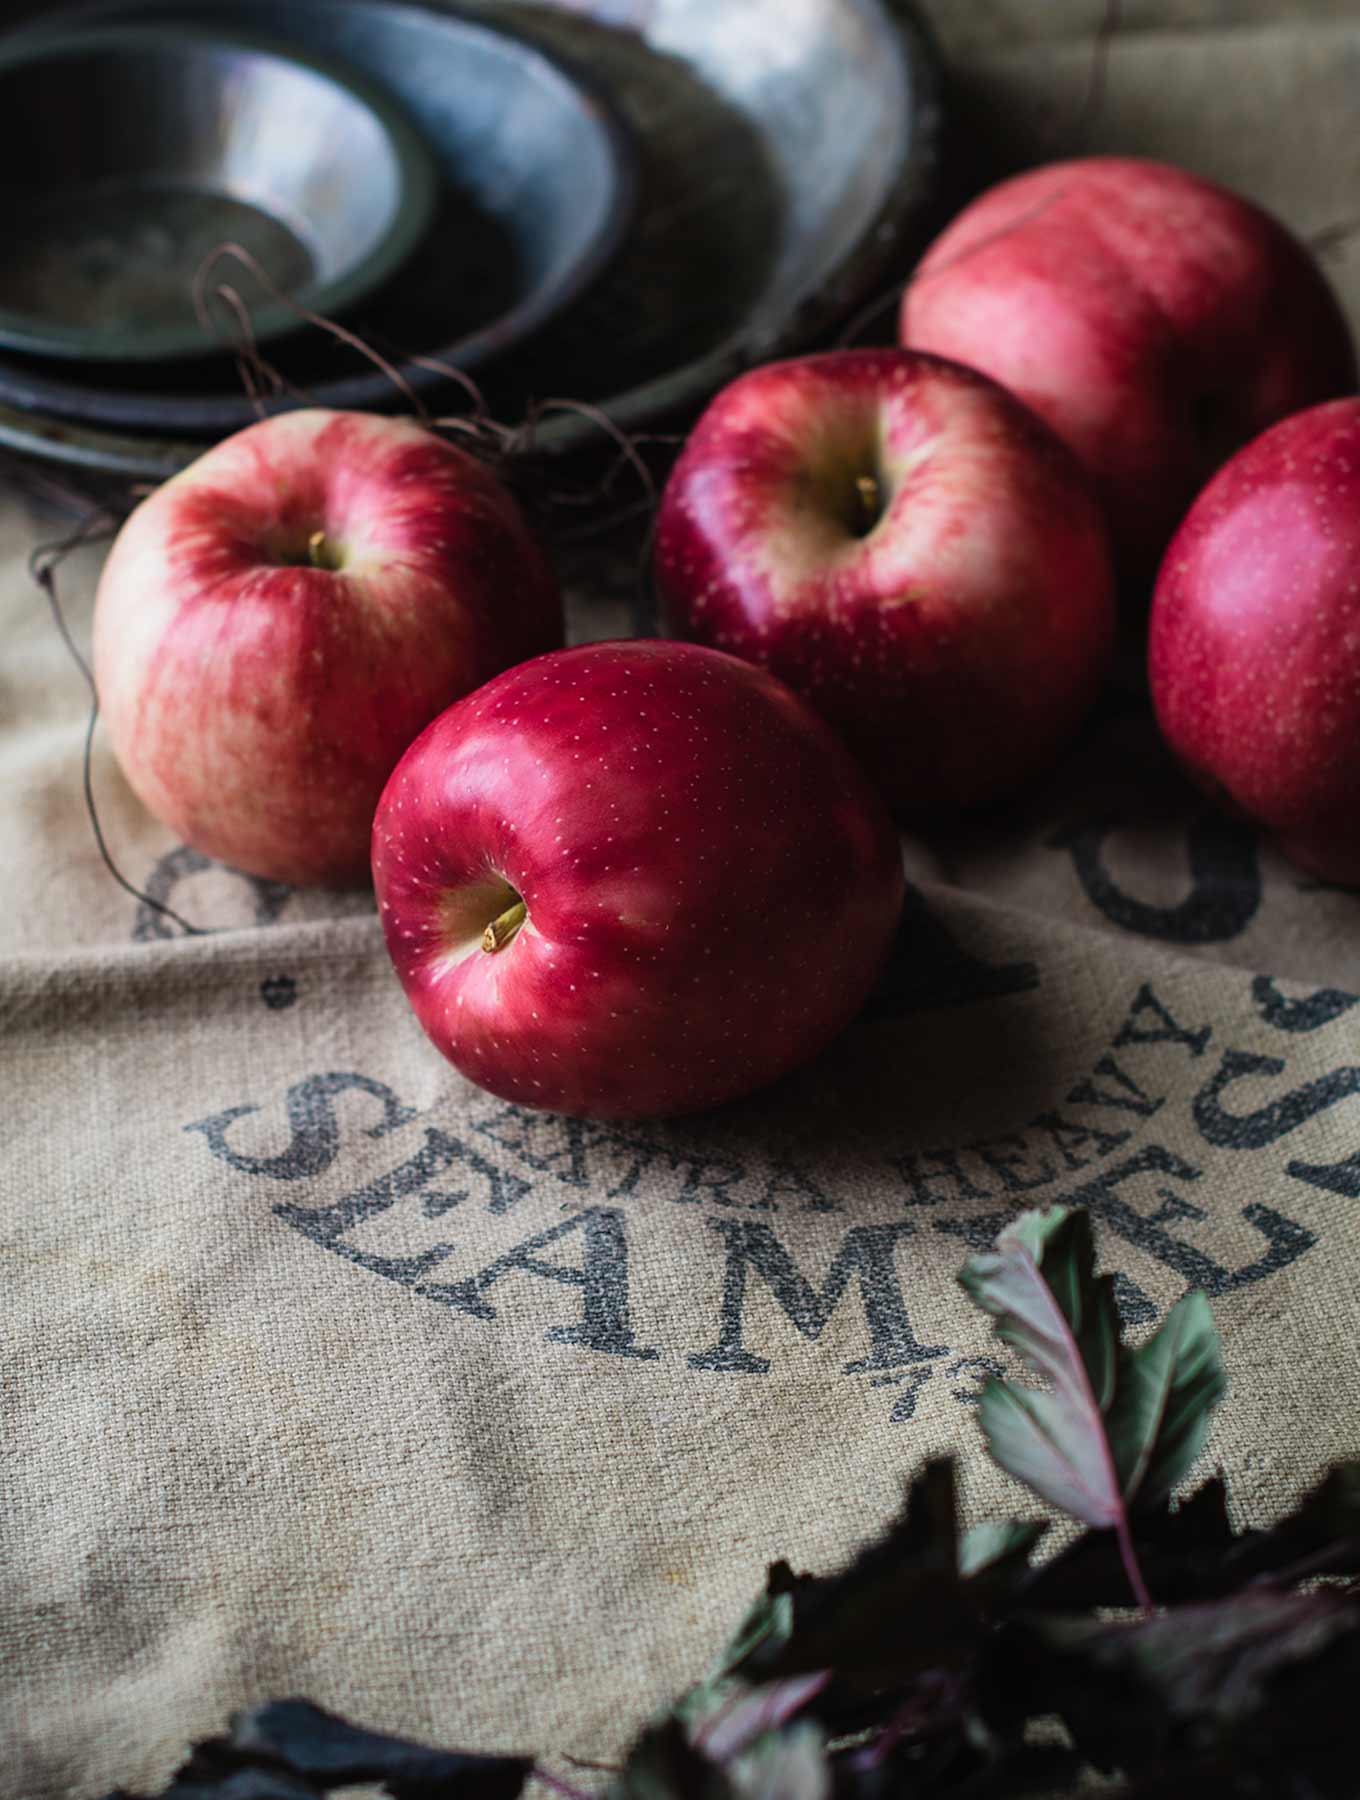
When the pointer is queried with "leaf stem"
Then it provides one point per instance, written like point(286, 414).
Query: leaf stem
point(1129, 1557)
point(705, 1730)
point(558, 1786)
point(937, 1689)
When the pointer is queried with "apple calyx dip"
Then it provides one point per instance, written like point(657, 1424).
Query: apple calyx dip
point(555, 859)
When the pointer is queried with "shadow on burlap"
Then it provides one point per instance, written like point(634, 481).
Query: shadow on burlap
point(329, 1374)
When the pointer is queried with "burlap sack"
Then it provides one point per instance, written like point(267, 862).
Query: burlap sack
point(326, 1373)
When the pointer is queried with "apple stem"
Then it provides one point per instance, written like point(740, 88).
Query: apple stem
point(319, 552)
point(500, 931)
point(870, 500)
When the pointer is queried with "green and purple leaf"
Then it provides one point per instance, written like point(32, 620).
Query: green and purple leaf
point(1246, 1671)
point(997, 1545)
point(900, 1605)
point(1115, 1427)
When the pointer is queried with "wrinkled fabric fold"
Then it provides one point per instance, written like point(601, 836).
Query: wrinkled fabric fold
point(326, 1373)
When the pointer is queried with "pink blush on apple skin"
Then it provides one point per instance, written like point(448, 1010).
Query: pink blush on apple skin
point(710, 887)
point(910, 549)
point(276, 623)
point(1155, 320)
point(1254, 647)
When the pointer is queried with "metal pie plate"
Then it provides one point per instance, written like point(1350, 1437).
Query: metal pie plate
point(536, 185)
point(788, 150)
point(129, 152)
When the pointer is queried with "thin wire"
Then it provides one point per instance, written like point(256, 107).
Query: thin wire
point(42, 567)
point(1098, 79)
point(355, 342)
point(255, 372)
point(594, 415)
point(610, 521)
point(867, 315)
point(496, 442)
point(461, 378)
point(1332, 237)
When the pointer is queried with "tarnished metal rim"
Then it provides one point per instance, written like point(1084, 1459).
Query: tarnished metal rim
point(671, 396)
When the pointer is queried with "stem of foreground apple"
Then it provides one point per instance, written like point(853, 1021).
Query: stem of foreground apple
point(321, 552)
point(870, 500)
point(500, 931)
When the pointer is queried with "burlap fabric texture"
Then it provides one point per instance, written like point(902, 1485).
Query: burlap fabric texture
point(326, 1373)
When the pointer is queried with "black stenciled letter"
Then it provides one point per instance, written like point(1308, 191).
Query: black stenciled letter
point(1309, 1012)
point(1126, 1097)
point(313, 1122)
point(911, 1383)
point(326, 1225)
point(1254, 1130)
point(553, 1146)
point(1225, 888)
point(1286, 1241)
point(268, 898)
point(788, 1181)
point(980, 1233)
point(602, 1277)
point(1150, 1022)
point(867, 1251)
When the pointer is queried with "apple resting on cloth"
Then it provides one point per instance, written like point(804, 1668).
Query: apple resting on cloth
point(276, 623)
point(912, 550)
point(1155, 320)
point(1254, 650)
point(633, 879)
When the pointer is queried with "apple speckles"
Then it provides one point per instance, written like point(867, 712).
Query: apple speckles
point(1091, 287)
point(1254, 651)
point(317, 681)
point(635, 875)
point(959, 606)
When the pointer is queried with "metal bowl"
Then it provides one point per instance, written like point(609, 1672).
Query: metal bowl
point(143, 148)
point(536, 185)
point(789, 165)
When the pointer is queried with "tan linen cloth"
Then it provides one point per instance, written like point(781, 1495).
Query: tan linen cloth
point(326, 1373)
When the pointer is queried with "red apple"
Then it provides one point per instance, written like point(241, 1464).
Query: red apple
point(1155, 320)
point(276, 623)
point(632, 879)
point(908, 547)
point(1254, 654)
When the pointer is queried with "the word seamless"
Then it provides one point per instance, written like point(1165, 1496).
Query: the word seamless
point(784, 1250)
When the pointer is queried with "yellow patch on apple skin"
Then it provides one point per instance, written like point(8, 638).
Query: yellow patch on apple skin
point(464, 914)
point(826, 452)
